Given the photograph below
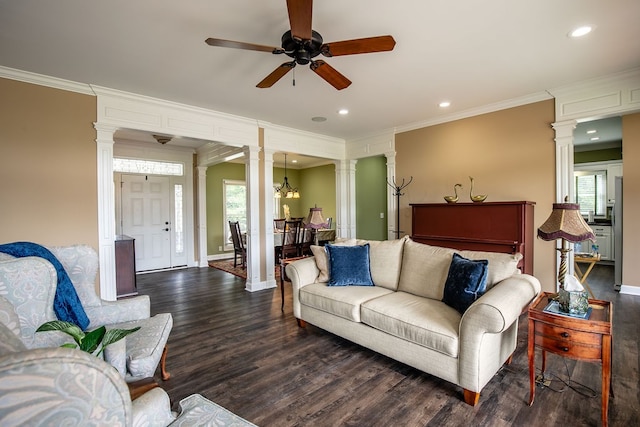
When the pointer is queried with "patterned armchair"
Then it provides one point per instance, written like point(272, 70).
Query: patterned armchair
point(27, 289)
point(61, 386)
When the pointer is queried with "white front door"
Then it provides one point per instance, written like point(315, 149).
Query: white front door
point(146, 216)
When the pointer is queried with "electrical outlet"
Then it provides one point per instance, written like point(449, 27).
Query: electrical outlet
point(382, 215)
point(219, 248)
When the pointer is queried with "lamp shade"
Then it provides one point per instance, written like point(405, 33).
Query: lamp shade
point(566, 222)
point(315, 219)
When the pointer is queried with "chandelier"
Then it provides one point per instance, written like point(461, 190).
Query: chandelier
point(285, 190)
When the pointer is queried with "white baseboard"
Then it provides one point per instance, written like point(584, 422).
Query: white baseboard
point(630, 290)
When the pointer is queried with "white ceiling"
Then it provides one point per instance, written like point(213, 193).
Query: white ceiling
point(472, 53)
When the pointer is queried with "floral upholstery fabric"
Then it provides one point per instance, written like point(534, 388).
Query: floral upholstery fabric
point(145, 346)
point(198, 411)
point(29, 283)
point(61, 386)
point(65, 387)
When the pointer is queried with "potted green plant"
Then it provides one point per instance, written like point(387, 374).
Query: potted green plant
point(93, 342)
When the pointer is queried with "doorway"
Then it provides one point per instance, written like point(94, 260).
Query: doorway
point(146, 217)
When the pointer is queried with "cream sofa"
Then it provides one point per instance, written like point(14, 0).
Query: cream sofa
point(403, 315)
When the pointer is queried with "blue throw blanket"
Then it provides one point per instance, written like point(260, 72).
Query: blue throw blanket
point(66, 303)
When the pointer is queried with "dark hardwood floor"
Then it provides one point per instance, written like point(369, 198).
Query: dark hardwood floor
point(239, 350)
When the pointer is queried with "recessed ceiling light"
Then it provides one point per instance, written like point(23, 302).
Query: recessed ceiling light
point(294, 161)
point(590, 131)
point(343, 111)
point(444, 104)
point(319, 119)
point(595, 138)
point(581, 31)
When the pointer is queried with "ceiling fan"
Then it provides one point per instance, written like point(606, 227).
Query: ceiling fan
point(303, 44)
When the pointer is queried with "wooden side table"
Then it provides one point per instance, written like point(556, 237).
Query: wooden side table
point(580, 339)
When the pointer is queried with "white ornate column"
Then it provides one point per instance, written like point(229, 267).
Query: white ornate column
point(564, 174)
point(268, 217)
point(202, 217)
point(106, 209)
point(392, 206)
point(346, 198)
point(252, 178)
point(564, 159)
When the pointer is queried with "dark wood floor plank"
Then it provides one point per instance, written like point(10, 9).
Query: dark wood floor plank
point(238, 349)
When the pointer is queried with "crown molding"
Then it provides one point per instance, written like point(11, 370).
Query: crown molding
point(42, 80)
point(489, 108)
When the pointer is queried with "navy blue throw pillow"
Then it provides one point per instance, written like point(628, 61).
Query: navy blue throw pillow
point(349, 265)
point(466, 282)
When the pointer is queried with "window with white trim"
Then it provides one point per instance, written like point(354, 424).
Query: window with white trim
point(591, 191)
point(234, 197)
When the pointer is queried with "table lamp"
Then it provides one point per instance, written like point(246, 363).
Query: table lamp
point(315, 219)
point(566, 223)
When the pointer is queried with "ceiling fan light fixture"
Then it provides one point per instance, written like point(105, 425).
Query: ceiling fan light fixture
point(303, 57)
point(303, 44)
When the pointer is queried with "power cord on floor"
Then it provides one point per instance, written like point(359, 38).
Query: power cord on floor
point(544, 382)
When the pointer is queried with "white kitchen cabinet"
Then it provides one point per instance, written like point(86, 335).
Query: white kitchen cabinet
point(604, 240)
point(613, 170)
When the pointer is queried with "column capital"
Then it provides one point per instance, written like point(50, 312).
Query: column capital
point(104, 132)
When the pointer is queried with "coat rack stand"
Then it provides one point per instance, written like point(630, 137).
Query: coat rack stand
point(398, 192)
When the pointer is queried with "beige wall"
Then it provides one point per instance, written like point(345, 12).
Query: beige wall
point(510, 154)
point(48, 182)
point(631, 194)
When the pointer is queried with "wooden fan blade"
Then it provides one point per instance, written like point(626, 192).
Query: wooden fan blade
point(356, 46)
point(330, 74)
point(300, 12)
point(276, 75)
point(242, 45)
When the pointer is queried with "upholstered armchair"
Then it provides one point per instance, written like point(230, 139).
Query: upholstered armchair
point(27, 290)
point(62, 386)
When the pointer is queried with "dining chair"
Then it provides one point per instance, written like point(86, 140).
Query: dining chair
point(238, 244)
point(290, 240)
point(307, 237)
point(278, 224)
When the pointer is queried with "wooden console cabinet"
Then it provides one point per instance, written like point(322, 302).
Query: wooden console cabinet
point(125, 266)
point(490, 226)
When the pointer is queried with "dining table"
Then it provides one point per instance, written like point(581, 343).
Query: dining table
point(322, 235)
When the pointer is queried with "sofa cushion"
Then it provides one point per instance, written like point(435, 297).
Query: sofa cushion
point(386, 260)
point(501, 266)
point(424, 269)
point(145, 346)
point(342, 301)
point(423, 321)
point(466, 282)
point(349, 265)
point(320, 255)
